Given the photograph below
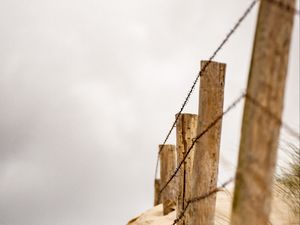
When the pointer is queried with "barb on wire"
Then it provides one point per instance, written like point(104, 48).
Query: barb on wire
point(225, 40)
point(273, 116)
point(211, 125)
point(199, 198)
point(284, 6)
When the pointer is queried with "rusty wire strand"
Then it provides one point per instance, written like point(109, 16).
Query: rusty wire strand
point(224, 41)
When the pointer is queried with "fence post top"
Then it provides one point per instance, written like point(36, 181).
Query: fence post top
point(171, 146)
point(203, 62)
point(186, 114)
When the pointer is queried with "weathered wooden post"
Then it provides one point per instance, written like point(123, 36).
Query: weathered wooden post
point(206, 157)
point(259, 135)
point(167, 167)
point(157, 200)
point(186, 130)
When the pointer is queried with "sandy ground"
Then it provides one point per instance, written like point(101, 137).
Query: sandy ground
point(281, 214)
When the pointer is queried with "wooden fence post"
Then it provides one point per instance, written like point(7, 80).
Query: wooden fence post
point(186, 130)
point(157, 200)
point(206, 157)
point(259, 135)
point(167, 167)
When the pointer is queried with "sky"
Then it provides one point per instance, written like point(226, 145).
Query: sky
point(89, 89)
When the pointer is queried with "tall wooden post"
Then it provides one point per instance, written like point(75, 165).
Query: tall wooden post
point(259, 135)
point(167, 167)
point(186, 130)
point(206, 157)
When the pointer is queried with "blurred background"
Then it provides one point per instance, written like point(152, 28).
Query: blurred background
point(88, 89)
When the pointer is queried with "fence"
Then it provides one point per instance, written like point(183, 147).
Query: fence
point(195, 167)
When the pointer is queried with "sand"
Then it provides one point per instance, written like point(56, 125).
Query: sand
point(281, 214)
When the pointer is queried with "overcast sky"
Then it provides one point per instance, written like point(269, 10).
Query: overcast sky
point(89, 88)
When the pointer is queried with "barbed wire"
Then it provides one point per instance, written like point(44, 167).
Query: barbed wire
point(220, 46)
point(218, 118)
point(217, 189)
point(211, 125)
point(278, 3)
